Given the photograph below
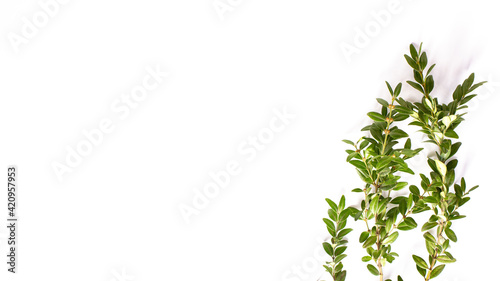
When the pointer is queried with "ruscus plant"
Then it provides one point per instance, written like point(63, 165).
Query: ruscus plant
point(380, 160)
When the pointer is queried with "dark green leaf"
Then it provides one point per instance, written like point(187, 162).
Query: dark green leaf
point(358, 164)
point(376, 116)
point(383, 102)
point(411, 62)
point(430, 69)
point(397, 90)
point(429, 84)
point(414, 190)
point(397, 134)
point(373, 270)
point(413, 52)
point(423, 60)
point(416, 86)
point(389, 88)
point(340, 250)
point(403, 110)
point(328, 248)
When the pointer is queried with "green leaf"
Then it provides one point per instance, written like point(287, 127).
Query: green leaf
point(446, 259)
point(357, 190)
point(430, 69)
point(338, 267)
point(475, 86)
point(391, 238)
point(389, 88)
point(340, 250)
point(431, 199)
point(429, 84)
point(373, 270)
point(400, 278)
point(411, 62)
point(416, 86)
point(397, 90)
point(376, 116)
point(428, 236)
point(420, 262)
point(333, 215)
point(344, 232)
point(370, 241)
point(358, 164)
point(437, 270)
point(332, 204)
point(410, 222)
point(349, 142)
point(403, 110)
point(339, 258)
point(363, 236)
point(342, 203)
point(423, 60)
point(328, 248)
point(366, 258)
point(403, 207)
point(329, 224)
point(397, 134)
point(428, 225)
point(376, 133)
point(383, 102)
point(341, 276)
point(430, 247)
point(451, 234)
point(383, 162)
point(414, 190)
point(422, 271)
point(413, 52)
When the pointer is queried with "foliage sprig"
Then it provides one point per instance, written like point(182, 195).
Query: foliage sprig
point(379, 162)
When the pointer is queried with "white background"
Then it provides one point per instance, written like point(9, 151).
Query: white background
point(116, 215)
